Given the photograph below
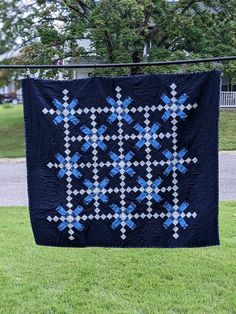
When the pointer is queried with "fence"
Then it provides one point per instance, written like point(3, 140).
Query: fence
point(228, 100)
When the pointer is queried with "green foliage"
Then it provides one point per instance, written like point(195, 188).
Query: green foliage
point(49, 31)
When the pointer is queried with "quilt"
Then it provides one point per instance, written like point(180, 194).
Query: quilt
point(126, 161)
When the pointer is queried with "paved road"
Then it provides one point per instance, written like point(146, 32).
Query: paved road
point(13, 189)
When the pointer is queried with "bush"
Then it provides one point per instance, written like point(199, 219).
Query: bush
point(7, 105)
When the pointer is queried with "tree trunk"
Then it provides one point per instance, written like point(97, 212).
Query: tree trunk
point(136, 59)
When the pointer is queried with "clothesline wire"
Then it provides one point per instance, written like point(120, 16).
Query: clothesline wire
point(114, 65)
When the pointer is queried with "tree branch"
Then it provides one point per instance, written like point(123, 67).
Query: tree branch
point(76, 10)
point(110, 46)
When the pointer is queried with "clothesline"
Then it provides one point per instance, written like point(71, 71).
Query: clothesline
point(114, 65)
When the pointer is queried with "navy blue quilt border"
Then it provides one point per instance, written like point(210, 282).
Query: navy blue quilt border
point(123, 161)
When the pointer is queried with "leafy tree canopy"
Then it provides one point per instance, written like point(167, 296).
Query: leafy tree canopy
point(48, 31)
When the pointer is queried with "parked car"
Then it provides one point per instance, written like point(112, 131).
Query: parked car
point(10, 98)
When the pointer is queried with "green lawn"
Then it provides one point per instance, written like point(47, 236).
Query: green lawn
point(36, 279)
point(12, 131)
point(227, 134)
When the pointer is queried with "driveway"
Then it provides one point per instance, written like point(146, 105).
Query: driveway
point(13, 188)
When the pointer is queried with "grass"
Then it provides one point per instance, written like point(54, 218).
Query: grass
point(227, 134)
point(12, 131)
point(36, 279)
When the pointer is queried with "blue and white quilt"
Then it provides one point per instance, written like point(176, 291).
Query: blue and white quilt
point(123, 161)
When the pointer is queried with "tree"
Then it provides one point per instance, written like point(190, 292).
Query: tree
point(48, 31)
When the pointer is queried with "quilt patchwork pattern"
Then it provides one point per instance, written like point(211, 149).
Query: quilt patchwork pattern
point(121, 164)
